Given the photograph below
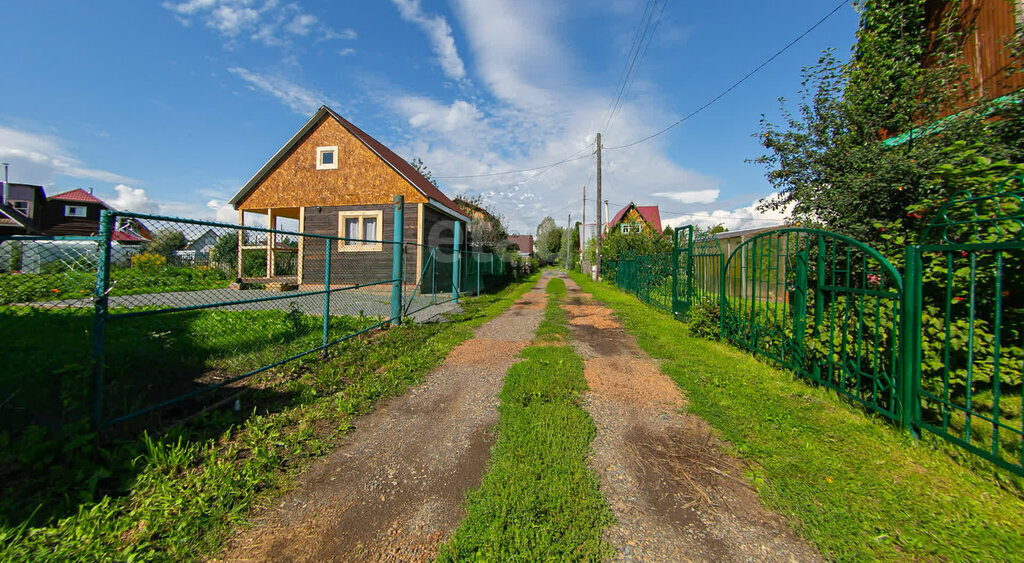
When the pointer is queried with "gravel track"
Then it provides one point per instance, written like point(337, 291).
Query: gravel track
point(395, 489)
point(676, 495)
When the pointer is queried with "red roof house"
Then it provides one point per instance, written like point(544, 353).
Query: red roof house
point(634, 219)
point(523, 242)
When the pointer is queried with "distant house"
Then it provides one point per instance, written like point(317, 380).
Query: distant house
point(337, 180)
point(636, 219)
point(77, 213)
point(22, 213)
point(524, 243)
point(198, 249)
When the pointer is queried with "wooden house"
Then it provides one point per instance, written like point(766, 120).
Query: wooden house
point(636, 219)
point(22, 212)
point(335, 179)
point(77, 213)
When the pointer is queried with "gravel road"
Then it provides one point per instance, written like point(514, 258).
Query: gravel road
point(395, 489)
point(676, 495)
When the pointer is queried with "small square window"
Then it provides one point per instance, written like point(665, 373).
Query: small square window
point(360, 229)
point(21, 207)
point(327, 158)
point(74, 211)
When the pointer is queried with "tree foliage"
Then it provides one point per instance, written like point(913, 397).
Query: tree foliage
point(827, 159)
point(487, 231)
point(165, 242)
point(547, 244)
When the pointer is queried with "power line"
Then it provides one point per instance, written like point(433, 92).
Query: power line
point(708, 216)
point(635, 56)
point(572, 157)
point(738, 82)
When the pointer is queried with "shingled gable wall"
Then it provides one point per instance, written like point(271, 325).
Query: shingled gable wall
point(361, 178)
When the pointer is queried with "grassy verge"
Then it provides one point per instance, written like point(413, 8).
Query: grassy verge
point(539, 499)
point(852, 484)
point(185, 490)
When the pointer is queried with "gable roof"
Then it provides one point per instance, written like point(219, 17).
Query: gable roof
point(650, 214)
point(79, 195)
point(524, 242)
point(397, 163)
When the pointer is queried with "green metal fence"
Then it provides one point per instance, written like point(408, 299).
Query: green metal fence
point(937, 346)
point(152, 315)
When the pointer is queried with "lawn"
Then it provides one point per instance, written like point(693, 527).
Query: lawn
point(852, 484)
point(176, 493)
point(539, 500)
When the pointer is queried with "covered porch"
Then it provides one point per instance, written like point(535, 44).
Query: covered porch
point(280, 254)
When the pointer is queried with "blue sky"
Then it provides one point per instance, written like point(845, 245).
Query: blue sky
point(169, 107)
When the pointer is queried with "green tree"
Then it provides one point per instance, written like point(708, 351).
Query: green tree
point(827, 160)
point(548, 241)
point(420, 167)
point(165, 242)
point(225, 251)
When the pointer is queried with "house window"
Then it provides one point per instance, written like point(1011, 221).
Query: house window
point(632, 228)
point(327, 158)
point(23, 207)
point(361, 230)
point(74, 211)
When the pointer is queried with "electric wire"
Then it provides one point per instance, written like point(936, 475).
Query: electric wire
point(572, 157)
point(641, 42)
point(735, 84)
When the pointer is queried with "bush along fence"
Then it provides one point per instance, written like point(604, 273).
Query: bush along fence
point(163, 310)
point(936, 345)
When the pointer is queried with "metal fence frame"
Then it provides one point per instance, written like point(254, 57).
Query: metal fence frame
point(470, 272)
point(858, 274)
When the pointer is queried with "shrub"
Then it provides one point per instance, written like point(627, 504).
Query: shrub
point(703, 319)
point(149, 262)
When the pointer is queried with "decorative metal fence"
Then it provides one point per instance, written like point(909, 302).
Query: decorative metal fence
point(162, 310)
point(938, 347)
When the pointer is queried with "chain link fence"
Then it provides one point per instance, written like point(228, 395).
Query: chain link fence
point(159, 316)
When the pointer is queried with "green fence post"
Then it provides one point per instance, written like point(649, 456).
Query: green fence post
point(327, 289)
point(909, 364)
point(479, 267)
point(456, 263)
point(675, 273)
point(722, 302)
point(99, 321)
point(819, 299)
point(396, 261)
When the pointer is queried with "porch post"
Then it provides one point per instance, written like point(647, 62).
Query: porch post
point(396, 261)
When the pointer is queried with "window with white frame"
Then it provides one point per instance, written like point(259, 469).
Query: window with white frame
point(23, 207)
point(362, 231)
point(627, 228)
point(327, 158)
point(74, 211)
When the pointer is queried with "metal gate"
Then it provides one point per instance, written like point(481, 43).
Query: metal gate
point(823, 305)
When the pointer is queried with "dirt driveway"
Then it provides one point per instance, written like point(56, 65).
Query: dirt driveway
point(675, 494)
point(395, 490)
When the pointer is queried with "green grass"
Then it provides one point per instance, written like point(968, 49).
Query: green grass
point(539, 499)
point(178, 496)
point(852, 484)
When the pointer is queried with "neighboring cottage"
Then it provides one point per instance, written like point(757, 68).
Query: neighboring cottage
point(636, 219)
point(337, 180)
point(198, 249)
point(524, 243)
point(77, 213)
point(22, 212)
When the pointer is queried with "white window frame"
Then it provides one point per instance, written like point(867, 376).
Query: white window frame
point(356, 246)
point(625, 229)
point(28, 206)
point(319, 158)
point(73, 211)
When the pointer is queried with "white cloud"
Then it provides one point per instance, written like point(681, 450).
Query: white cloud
point(301, 100)
point(440, 34)
point(748, 217)
point(223, 212)
point(698, 196)
point(268, 21)
point(424, 112)
point(39, 159)
point(347, 52)
point(133, 199)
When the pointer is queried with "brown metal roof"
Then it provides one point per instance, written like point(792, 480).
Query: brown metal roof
point(396, 162)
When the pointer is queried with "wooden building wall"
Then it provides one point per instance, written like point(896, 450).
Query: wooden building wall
point(361, 178)
point(355, 267)
point(56, 223)
point(984, 54)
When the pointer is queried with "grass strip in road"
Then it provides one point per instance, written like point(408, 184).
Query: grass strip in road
point(189, 488)
point(855, 486)
point(539, 500)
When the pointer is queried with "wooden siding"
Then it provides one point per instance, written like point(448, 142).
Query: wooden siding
point(354, 267)
point(984, 54)
point(361, 178)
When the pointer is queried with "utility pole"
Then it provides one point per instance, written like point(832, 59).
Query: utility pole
point(5, 182)
point(598, 202)
point(568, 243)
point(583, 233)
